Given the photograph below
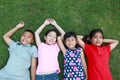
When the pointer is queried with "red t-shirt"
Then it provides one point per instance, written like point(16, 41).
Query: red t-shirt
point(98, 62)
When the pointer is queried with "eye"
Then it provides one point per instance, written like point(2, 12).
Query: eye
point(95, 36)
point(67, 39)
point(24, 36)
point(49, 35)
point(72, 39)
point(101, 37)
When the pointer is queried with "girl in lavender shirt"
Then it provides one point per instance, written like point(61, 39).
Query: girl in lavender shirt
point(48, 66)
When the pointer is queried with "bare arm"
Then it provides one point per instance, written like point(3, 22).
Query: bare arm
point(113, 43)
point(7, 36)
point(54, 23)
point(80, 42)
point(84, 64)
point(33, 68)
point(38, 31)
point(61, 45)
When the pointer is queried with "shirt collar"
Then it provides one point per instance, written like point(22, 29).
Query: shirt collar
point(96, 46)
point(26, 45)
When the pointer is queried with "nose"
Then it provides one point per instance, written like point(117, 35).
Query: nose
point(99, 39)
point(71, 41)
point(52, 38)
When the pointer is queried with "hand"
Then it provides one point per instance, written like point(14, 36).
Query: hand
point(52, 21)
point(20, 25)
point(47, 22)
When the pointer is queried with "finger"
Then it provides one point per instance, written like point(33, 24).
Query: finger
point(22, 22)
point(51, 20)
point(48, 19)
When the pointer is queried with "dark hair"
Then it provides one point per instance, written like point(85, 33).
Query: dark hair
point(31, 33)
point(93, 32)
point(50, 30)
point(70, 34)
point(87, 38)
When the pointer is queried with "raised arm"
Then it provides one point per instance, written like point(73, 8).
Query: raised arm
point(38, 31)
point(84, 63)
point(54, 23)
point(33, 68)
point(61, 45)
point(113, 43)
point(80, 42)
point(7, 36)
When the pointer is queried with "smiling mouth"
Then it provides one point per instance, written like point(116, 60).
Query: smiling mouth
point(24, 41)
point(70, 44)
point(98, 42)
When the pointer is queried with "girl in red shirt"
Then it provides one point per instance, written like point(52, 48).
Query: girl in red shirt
point(98, 55)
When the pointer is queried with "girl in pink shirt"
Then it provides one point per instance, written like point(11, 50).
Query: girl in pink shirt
point(98, 55)
point(48, 66)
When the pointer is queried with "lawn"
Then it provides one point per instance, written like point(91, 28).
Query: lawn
point(80, 16)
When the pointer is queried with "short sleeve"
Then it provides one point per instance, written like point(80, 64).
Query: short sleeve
point(42, 44)
point(86, 48)
point(57, 47)
point(34, 51)
point(13, 45)
point(81, 49)
point(108, 49)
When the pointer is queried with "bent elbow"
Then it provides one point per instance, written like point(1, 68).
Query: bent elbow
point(4, 37)
point(117, 41)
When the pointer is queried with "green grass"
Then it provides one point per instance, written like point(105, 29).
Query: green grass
point(80, 16)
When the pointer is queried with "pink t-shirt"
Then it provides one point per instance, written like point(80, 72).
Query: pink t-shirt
point(48, 58)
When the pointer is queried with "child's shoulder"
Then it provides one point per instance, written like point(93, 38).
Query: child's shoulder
point(14, 43)
point(33, 48)
point(79, 48)
point(41, 44)
point(106, 46)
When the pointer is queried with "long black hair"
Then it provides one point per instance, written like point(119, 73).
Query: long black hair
point(87, 38)
point(70, 34)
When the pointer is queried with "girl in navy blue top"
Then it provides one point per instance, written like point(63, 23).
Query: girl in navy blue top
point(74, 62)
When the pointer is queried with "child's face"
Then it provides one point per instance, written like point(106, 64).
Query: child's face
point(27, 38)
point(50, 38)
point(70, 42)
point(97, 39)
